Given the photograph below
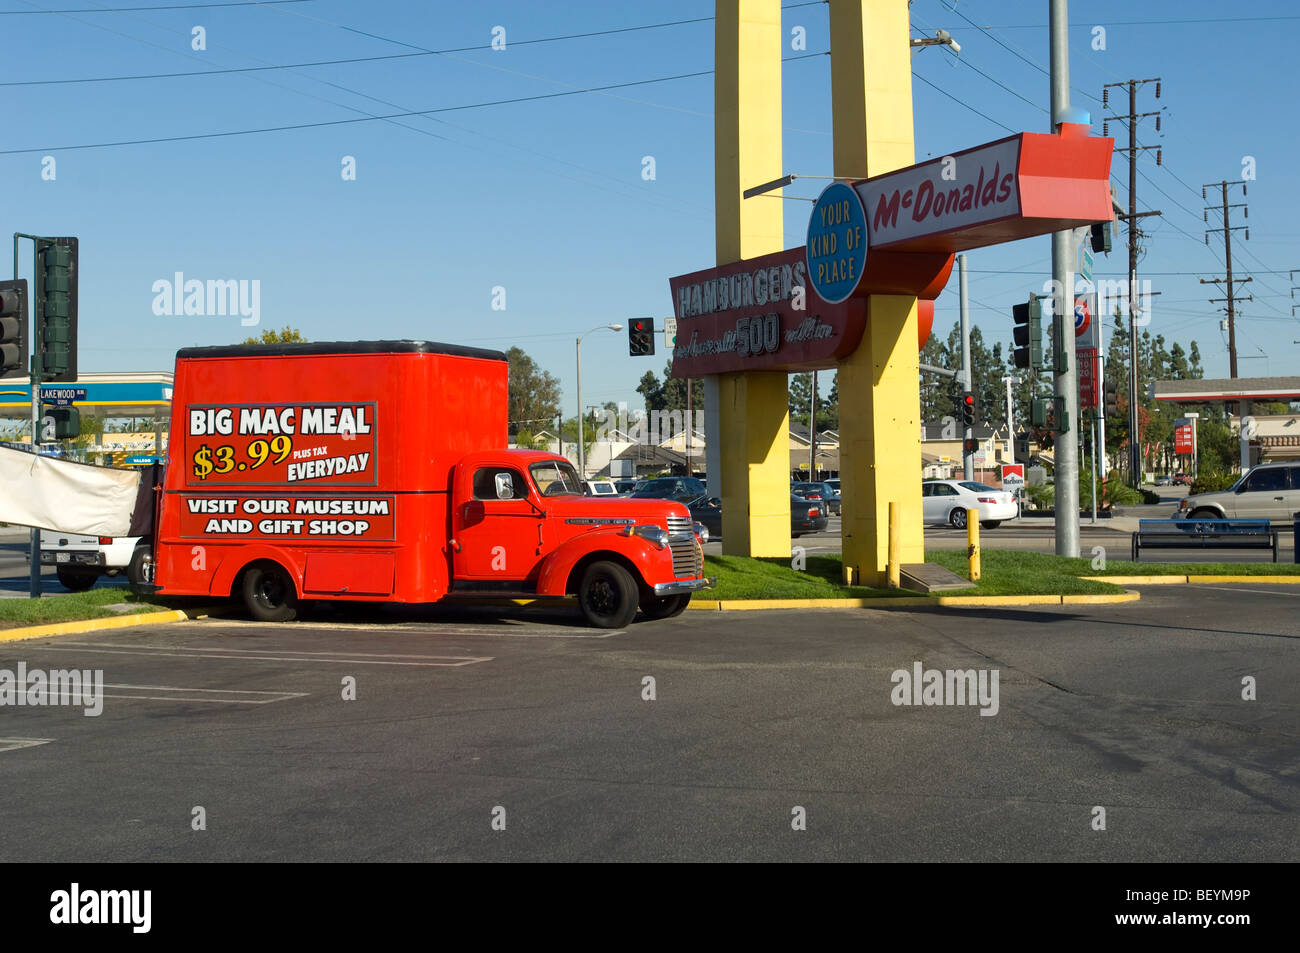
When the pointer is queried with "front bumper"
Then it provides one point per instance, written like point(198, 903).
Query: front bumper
point(684, 585)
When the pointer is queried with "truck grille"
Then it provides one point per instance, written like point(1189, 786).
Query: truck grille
point(688, 558)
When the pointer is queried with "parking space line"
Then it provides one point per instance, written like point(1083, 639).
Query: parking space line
point(1267, 592)
point(15, 744)
point(428, 661)
point(514, 631)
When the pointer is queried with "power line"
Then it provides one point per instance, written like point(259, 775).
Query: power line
point(354, 59)
point(174, 6)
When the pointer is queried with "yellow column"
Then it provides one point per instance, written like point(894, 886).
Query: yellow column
point(880, 426)
point(753, 407)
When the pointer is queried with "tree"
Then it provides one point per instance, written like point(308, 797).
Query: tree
point(674, 391)
point(652, 391)
point(800, 396)
point(286, 335)
point(534, 394)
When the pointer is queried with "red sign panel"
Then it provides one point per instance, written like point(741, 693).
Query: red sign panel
point(276, 517)
point(1087, 360)
point(1025, 185)
point(280, 445)
point(1184, 439)
point(1013, 474)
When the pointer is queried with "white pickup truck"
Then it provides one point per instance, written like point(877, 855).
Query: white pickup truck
point(80, 560)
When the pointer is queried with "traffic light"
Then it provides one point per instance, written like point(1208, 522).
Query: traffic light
point(968, 409)
point(970, 445)
point(1102, 236)
point(1038, 412)
point(1112, 399)
point(56, 311)
point(13, 328)
point(62, 423)
point(1029, 334)
point(641, 337)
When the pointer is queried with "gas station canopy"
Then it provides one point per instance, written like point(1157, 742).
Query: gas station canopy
point(106, 395)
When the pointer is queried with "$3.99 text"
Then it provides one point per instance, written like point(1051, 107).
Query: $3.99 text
point(208, 461)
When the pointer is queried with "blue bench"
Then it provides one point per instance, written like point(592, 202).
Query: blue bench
point(1204, 534)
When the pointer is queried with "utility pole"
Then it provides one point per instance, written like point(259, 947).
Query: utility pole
point(1134, 233)
point(1229, 285)
point(1063, 248)
point(967, 458)
point(812, 432)
point(1011, 422)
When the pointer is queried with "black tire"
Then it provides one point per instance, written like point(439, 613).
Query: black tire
point(608, 595)
point(139, 571)
point(957, 518)
point(665, 608)
point(76, 580)
point(990, 524)
point(269, 594)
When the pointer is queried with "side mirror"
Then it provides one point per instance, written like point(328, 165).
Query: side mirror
point(505, 486)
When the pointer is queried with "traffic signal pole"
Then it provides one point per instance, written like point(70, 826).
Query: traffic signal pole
point(967, 457)
point(34, 571)
point(1066, 446)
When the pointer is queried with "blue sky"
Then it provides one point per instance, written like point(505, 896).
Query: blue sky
point(546, 198)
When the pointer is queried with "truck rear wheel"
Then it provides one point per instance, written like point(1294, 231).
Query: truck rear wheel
point(76, 580)
point(269, 593)
point(608, 595)
point(665, 608)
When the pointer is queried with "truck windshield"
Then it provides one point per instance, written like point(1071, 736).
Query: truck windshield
point(556, 478)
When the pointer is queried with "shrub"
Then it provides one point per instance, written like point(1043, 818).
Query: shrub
point(1211, 481)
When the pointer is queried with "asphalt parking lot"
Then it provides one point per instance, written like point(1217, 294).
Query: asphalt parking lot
point(523, 718)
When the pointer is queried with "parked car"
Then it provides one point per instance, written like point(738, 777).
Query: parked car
point(1163, 480)
point(1267, 491)
point(806, 516)
point(625, 486)
point(79, 560)
point(599, 488)
point(819, 491)
point(946, 501)
point(680, 489)
point(1182, 479)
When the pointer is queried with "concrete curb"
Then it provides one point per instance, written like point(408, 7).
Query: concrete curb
point(1184, 580)
point(95, 625)
point(884, 602)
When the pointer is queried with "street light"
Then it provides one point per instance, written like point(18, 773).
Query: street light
point(582, 452)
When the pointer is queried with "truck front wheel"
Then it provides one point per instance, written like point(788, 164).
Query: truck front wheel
point(608, 595)
point(665, 608)
point(269, 593)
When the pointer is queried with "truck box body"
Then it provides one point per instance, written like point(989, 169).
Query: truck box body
point(395, 417)
point(379, 471)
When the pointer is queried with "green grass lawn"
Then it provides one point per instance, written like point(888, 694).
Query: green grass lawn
point(71, 607)
point(1004, 572)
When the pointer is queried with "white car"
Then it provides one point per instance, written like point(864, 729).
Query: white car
point(599, 488)
point(80, 560)
point(946, 501)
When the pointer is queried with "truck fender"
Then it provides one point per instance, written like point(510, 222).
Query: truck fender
point(638, 554)
point(233, 563)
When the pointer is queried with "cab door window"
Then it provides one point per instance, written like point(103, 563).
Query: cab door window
point(499, 483)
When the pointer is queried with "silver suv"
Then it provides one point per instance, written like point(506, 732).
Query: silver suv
point(1268, 491)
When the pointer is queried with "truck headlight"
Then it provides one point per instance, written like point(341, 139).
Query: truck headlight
point(701, 532)
point(651, 533)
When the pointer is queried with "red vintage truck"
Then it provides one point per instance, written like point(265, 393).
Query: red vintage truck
point(378, 471)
